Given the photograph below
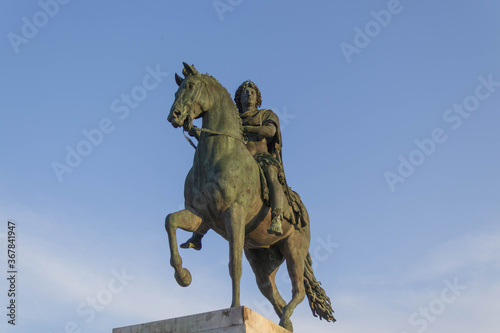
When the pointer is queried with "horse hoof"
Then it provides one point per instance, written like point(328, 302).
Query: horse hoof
point(184, 278)
point(287, 324)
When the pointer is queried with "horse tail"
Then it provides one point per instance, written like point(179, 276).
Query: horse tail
point(318, 301)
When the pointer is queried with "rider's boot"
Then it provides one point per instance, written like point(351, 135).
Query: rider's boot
point(277, 217)
point(193, 242)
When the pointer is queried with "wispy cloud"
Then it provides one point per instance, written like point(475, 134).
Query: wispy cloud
point(460, 254)
point(471, 262)
point(61, 286)
point(63, 280)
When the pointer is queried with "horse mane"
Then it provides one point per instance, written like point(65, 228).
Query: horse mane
point(217, 89)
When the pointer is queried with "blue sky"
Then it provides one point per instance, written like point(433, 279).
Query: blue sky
point(391, 147)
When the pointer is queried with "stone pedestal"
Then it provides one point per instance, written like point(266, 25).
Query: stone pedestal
point(233, 320)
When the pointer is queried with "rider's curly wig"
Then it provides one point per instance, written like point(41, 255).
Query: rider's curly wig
point(237, 94)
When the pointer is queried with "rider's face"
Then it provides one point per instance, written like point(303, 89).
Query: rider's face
point(248, 97)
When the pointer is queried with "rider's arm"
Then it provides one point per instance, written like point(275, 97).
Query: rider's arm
point(267, 131)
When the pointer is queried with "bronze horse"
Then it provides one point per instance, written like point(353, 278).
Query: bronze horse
point(223, 190)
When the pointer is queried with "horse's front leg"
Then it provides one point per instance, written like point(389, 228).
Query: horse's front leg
point(234, 221)
point(188, 221)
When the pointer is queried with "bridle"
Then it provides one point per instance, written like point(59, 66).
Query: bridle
point(206, 130)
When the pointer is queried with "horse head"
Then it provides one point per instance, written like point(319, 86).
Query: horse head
point(191, 99)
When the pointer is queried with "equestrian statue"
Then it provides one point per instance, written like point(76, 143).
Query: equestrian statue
point(237, 188)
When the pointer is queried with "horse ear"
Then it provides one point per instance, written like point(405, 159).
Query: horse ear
point(189, 70)
point(178, 79)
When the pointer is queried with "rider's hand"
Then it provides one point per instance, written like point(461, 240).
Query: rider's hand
point(194, 133)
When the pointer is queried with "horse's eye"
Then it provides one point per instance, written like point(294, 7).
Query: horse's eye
point(190, 85)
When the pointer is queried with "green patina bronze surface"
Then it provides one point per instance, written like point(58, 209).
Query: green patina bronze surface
point(225, 191)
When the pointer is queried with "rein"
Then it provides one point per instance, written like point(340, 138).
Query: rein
point(206, 130)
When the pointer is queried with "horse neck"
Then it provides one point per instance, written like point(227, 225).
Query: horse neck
point(221, 117)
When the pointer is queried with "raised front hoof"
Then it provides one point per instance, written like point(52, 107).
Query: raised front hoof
point(275, 229)
point(287, 324)
point(191, 245)
point(184, 278)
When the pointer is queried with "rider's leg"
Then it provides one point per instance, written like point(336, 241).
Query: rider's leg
point(195, 240)
point(276, 197)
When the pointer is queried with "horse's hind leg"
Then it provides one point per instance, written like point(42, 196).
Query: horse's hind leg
point(265, 270)
point(188, 221)
point(295, 249)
